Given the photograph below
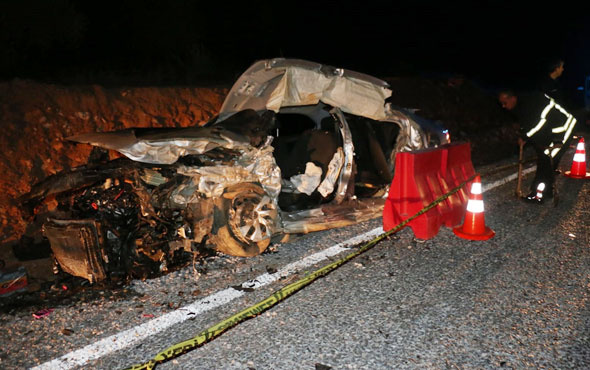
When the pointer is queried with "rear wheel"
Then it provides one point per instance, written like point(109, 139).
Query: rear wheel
point(246, 218)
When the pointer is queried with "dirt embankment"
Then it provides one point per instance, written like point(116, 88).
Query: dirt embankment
point(36, 118)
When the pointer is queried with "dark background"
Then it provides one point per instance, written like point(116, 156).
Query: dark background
point(181, 42)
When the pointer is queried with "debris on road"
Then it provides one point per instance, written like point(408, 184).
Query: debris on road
point(13, 281)
point(42, 313)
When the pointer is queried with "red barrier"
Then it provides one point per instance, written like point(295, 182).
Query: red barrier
point(416, 183)
point(422, 176)
point(459, 168)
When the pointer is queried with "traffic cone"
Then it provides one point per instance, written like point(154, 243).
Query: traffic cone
point(578, 170)
point(474, 226)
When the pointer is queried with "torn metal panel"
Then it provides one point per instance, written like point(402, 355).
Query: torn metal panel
point(185, 193)
point(331, 216)
point(254, 165)
point(348, 149)
point(80, 177)
point(273, 84)
point(334, 167)
point(411, 136)
point(77, 246)
point(164, 146)
point(300, 215)
point(300, 86)
point(153, 178)
point(200, 214)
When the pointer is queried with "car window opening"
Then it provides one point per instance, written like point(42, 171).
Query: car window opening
point(373, 145)
point(302, 140)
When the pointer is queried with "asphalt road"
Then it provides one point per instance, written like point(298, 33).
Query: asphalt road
point(519, 300)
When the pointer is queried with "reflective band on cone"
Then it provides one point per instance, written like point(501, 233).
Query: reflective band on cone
point(578, 170)
point(474, 226)
point(579, 157)
point(475, 206)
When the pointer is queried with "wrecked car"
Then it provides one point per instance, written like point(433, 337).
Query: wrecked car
point(296, 147)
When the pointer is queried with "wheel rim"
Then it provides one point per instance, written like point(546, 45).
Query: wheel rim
point(252, 217)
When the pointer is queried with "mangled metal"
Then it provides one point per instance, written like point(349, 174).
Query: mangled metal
point(164, 147)
point(348, 149)
point(253, 165)
point(278, 83)
point(77, 247)
point(331, 216)
point(293, 144)
point(334, 167)
point(412, 137)
point(304, 86)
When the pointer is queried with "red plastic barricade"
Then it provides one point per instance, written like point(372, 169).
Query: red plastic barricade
point(459, 168)
point(417, 182)
point(422, 176)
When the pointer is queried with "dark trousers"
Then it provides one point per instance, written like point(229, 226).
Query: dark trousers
point(563, 149)
point(545, 170)
point(546, 166)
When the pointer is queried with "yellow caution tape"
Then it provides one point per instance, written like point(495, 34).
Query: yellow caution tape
point(281, 294)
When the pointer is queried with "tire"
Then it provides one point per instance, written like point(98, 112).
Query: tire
point(245, 219)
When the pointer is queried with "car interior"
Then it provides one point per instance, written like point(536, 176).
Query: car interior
point(311, 134)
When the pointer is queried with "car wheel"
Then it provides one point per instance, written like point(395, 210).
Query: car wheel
point(245, 220)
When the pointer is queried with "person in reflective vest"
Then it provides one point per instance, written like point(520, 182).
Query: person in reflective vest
point(547, 126)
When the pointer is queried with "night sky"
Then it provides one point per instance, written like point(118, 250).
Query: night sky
point(175, 42)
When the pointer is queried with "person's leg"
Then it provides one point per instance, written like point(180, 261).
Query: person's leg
point(561, 152)
point(544, 173)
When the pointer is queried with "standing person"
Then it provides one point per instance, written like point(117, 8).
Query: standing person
point(547, 126)
point(550, 84)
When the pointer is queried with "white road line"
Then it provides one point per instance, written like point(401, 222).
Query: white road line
point(507, 179)
point(128, 337)
point(138, 333)
point(291, 268)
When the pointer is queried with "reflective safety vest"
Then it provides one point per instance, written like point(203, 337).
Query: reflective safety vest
point(566, 128)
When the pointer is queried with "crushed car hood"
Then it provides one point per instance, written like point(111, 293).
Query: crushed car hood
point(166, 145)
point(277, 83)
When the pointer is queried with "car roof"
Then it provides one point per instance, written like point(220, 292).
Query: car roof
point(277, 83)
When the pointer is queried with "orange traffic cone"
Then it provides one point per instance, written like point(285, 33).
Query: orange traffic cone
point(578, 170)
point(474, 226)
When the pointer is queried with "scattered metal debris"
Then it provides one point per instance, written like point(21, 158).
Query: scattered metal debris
point(12, 281)
point(42, 313)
